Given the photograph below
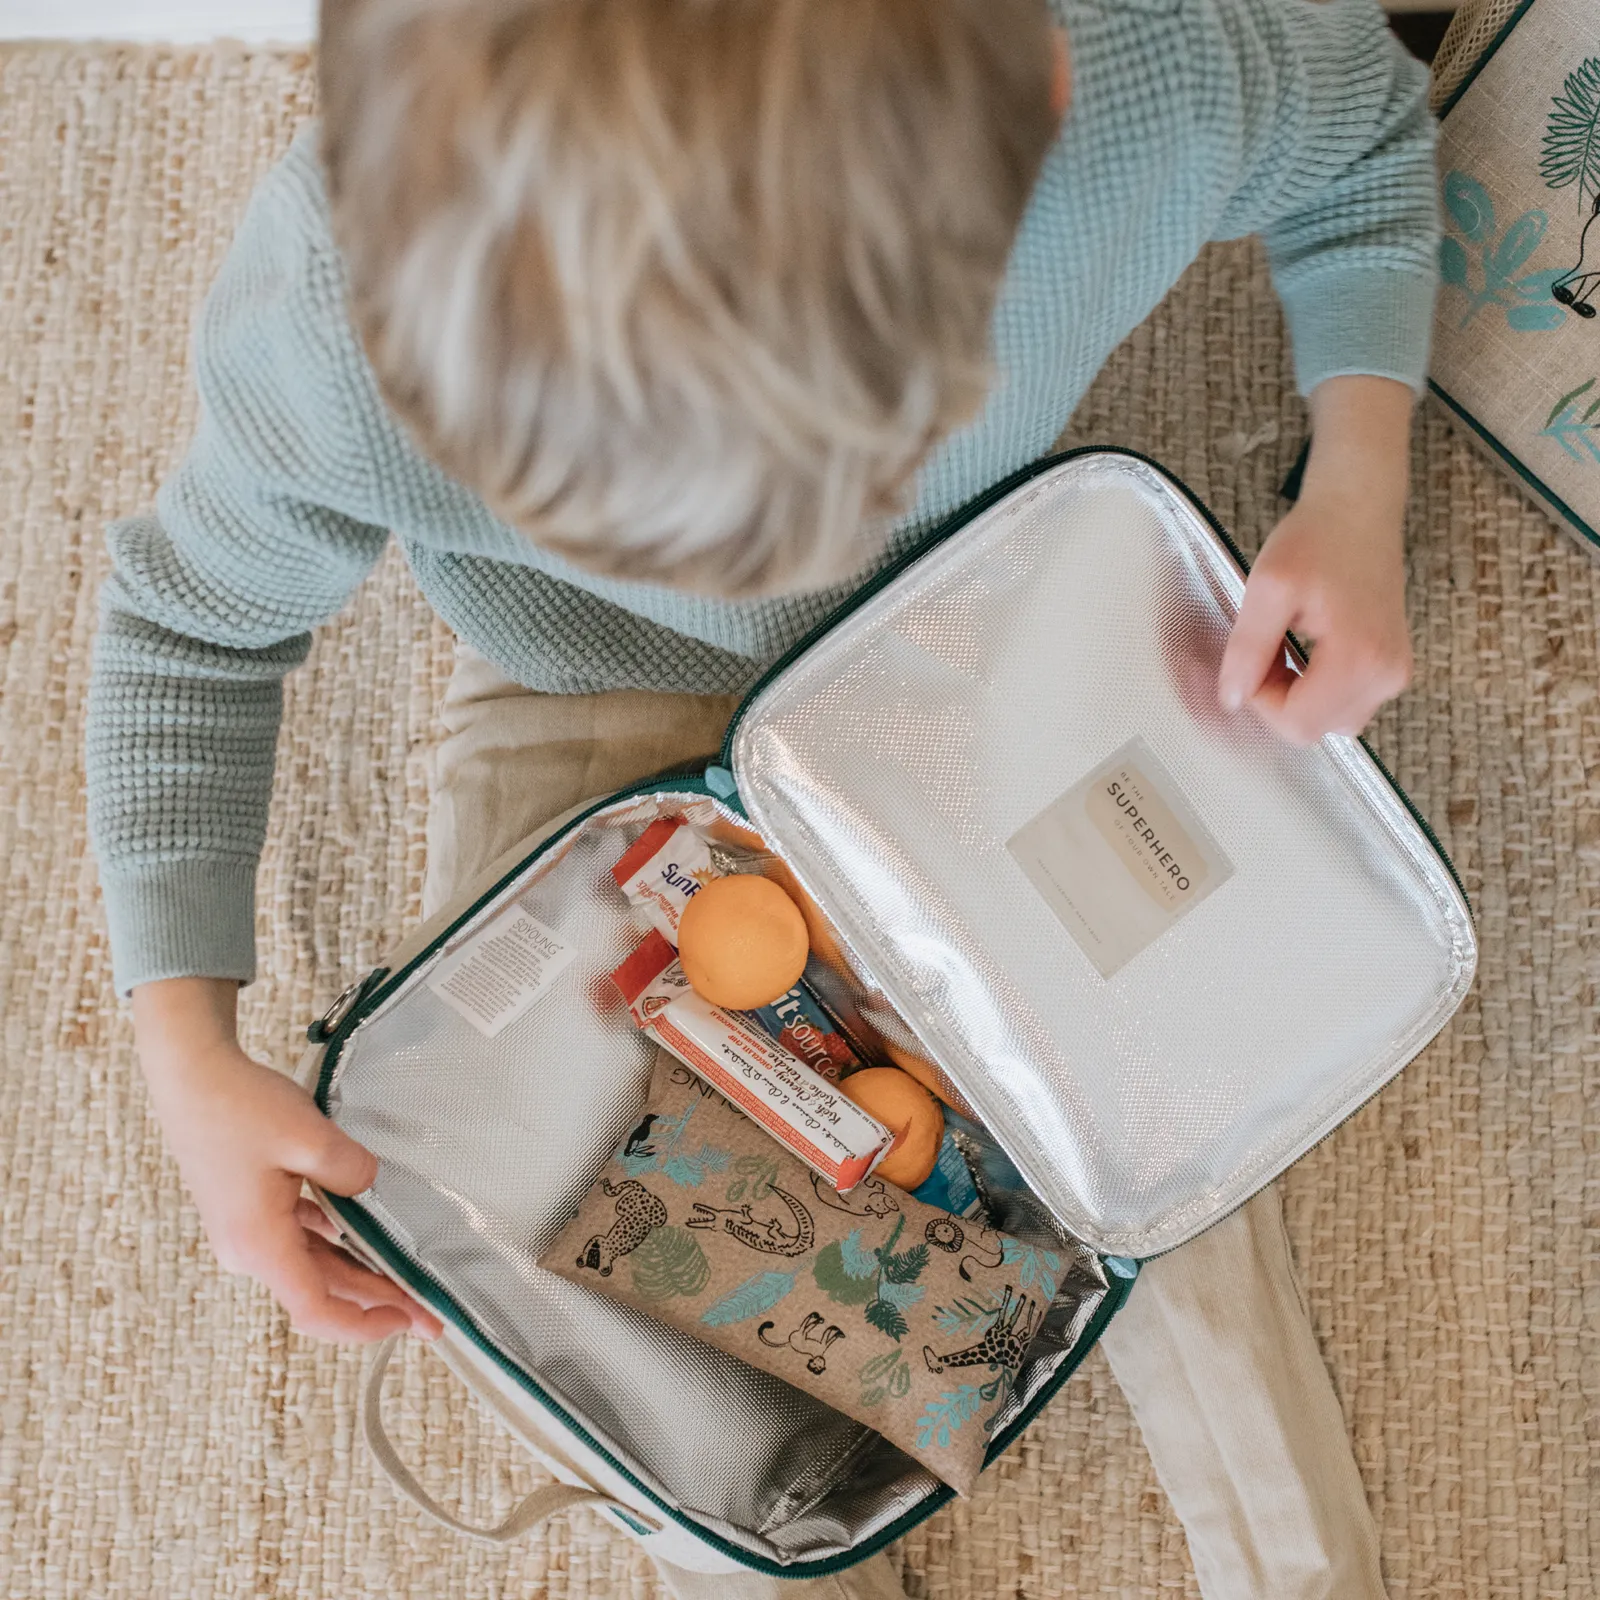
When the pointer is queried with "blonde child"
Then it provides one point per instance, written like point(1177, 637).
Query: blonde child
point(652, 327)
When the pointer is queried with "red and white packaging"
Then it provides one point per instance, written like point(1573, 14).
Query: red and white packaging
point(662, 870)
point(798, 1107)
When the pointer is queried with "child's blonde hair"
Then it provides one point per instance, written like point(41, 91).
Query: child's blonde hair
point(685, 289)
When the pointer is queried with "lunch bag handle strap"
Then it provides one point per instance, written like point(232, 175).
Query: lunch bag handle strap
point(539, 1506)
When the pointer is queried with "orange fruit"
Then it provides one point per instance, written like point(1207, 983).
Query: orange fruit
point(742, 942)
point(903, 1106)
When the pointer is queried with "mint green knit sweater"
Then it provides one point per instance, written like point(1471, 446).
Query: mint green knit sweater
point(1190, 120)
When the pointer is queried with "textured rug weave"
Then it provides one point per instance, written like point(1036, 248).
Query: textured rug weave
point(161, 1431)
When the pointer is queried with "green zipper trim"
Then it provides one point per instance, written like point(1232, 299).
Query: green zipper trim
point(377, 988)
point(1483, 60)
point(422, 1283)
point(974, 508)
point(682, 780)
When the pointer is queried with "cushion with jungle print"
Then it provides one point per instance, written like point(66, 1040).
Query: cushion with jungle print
point(1516, 355)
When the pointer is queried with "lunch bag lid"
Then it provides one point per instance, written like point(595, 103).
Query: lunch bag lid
point(1160, 951)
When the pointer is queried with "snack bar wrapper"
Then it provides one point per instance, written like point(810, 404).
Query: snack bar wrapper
point(662, 870)
point(798, 1107)
point(804, 1026)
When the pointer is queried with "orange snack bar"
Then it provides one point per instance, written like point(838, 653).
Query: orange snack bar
point(662, 871)
point(798, 1107)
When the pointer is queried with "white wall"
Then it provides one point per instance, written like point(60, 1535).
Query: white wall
point(258, 21)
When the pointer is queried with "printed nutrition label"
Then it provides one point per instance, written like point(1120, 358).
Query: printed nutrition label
point(500, 973)
point(1120, 857)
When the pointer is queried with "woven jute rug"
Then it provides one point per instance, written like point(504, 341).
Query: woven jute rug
point(162, 1434)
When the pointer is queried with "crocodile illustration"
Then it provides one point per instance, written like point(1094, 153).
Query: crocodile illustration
point(869, 1198)
point(765, 1234)
point(639, 1214)
point(1004, 1342)
point(811, 1339)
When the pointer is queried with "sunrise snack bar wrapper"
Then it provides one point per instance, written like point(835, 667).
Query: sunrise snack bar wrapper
point(909, 1320)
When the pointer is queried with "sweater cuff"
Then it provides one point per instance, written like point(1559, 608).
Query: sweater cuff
point(181, 919)
point(1369, 320)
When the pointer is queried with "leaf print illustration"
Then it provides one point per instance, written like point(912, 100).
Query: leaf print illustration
point(1496, 278)
point(1571, 153)
point(1570, 159)
point(944, 1416)
point(1469, 206)
point(879, 1280)
point(750, 1178)
point(1573, 423)
point(885, 1377)
point(670, 1264)
point(753, 1297)
point(1037, 1268)
point(659, 1144)
point(969, 1315)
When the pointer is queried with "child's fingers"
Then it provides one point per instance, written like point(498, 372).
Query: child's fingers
point(349, 1280)
point(1325, 698)
point(1256, 644)
point(315, 1220)
point(328, 1156)
point(299, 1279)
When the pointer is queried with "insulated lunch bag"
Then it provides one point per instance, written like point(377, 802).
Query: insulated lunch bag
point(1156, 952)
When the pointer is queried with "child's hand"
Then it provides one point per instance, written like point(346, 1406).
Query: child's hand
point(244, 1137)
point(1333, 571)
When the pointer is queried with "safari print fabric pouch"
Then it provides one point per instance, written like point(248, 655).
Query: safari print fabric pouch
point(1516, 348)
point(902, 1317)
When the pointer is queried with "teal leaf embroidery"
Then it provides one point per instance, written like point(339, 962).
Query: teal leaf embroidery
point(1537, 285)
point(658, 1145)
point(1469, 206)
point(750, 1299)
point(1571, 152)
point(1452, 262)
point(943, 1417)
point(1528, 300)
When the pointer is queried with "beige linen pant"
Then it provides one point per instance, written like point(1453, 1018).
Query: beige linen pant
point(1214, 1348)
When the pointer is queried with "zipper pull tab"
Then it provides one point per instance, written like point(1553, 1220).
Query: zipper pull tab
point(721, 783)
point(325, 1026)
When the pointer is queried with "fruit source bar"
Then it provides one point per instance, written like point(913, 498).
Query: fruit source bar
point(797, 1106)
point(800, 1022)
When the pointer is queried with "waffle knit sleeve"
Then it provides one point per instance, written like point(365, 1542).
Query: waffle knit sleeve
point(211, 600)
point(1338, 178)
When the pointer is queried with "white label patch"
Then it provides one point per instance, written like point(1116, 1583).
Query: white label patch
point(1120, 857)
point(499, 974)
